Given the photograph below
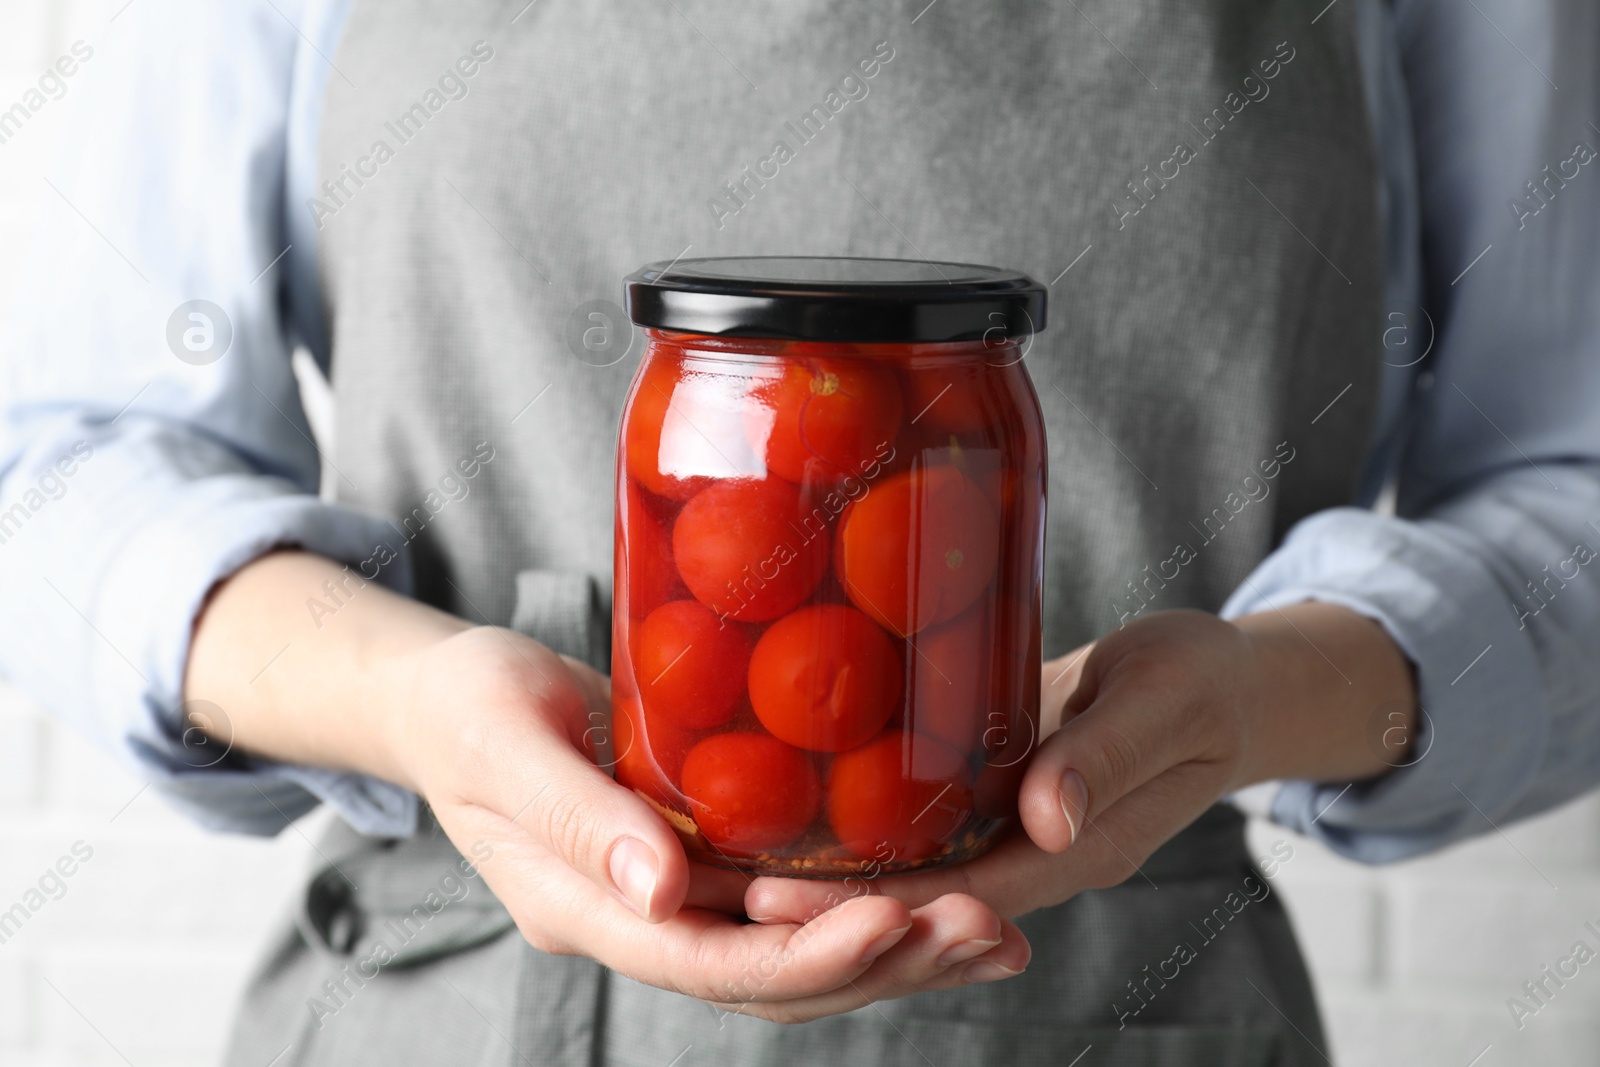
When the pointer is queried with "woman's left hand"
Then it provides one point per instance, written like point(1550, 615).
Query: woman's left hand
point(1158, 720)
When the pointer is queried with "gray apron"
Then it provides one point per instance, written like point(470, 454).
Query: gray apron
point(1195, 180)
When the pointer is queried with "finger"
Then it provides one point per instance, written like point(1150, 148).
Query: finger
point(774, 898)
point(938, 953)
point(947, 937)
point(605, 831)
point(1132, 732)
point(1116, 844)
point(529, 768)
point(712, 957)
point(717, 889)
point(697, 952)
point(1013, 877)
point(1016, 876)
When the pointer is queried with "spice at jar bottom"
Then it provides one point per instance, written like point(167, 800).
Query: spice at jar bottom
point(829, 550)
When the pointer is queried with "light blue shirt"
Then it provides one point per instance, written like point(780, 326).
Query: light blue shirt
point(131, 482)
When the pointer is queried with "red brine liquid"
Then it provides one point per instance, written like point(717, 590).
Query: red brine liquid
point(826, 649)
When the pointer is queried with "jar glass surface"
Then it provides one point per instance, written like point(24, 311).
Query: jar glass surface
point(826, 651)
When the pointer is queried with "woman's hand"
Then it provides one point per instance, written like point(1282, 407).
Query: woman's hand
point(499, 734)
point(1156, 722)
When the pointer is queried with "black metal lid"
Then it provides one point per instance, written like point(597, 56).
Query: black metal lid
point(818, 298)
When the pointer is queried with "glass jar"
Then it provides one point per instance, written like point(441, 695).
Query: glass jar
point(829, 547)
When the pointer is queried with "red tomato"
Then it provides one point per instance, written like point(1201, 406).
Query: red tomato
point(1000, 487)
point(750, 792)
point(648, 751)
point(644, 554)
point(823, 419)
point(746, 550)
point(690, 665)
point(903, 791)
point(949, 668)
point(918, 548)
point(956, 397)
point(824, 678)
point(982, 465)
point(645, 416)
point(685, 426)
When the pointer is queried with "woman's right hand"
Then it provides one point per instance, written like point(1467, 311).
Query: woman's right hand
point(498, 734)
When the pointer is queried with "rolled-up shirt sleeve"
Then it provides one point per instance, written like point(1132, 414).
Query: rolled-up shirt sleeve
point(150, 446)
point(1488, 573)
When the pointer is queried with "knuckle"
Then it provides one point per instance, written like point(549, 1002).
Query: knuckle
point(1115, 760)
point(562, 826)
point(704, 977)
point(746, 982)
point(1173, 670)
point(731, 995)
point(697, 967)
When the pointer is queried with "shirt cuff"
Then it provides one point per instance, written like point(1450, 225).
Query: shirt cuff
point(1483, 721)
point(151, 596)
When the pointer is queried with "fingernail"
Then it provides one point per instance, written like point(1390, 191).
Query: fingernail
point(965, 950)
point(1074, 802)
point(988, 971)
point(634, 870)
point(883, 943)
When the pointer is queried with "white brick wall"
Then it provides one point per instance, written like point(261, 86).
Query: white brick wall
point(153, 939)
point(1415, 962)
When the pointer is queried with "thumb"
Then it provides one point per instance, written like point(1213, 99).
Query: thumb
point(601, 829)
point(534, 767)
point(1122, 740)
